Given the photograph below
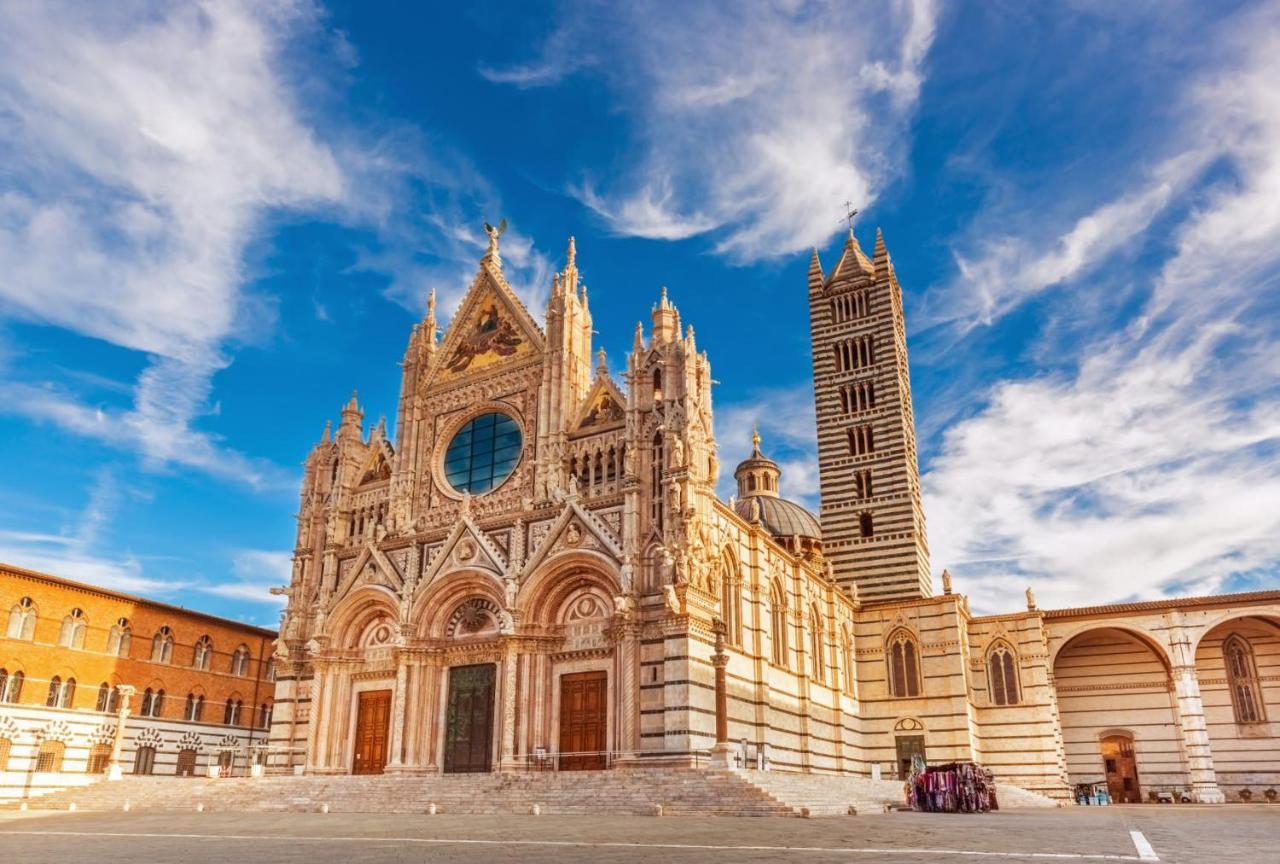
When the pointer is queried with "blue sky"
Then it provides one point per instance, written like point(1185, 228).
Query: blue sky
point(218, 219)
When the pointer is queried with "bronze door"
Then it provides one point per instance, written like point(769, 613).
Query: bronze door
point(373, 722)
point(908, 746)
point(1121, 765)
point(468, 735)
point(584, 720)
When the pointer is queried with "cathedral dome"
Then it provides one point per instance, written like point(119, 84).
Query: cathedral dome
point(759, 480)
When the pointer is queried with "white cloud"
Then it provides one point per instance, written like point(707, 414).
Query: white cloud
point(1151, 468)
point(759, 131)
point(256, 572)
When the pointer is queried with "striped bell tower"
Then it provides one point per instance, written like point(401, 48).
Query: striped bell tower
point(872, 522)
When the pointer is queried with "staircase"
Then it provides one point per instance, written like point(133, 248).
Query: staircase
point(643, 791)
point(827, 794)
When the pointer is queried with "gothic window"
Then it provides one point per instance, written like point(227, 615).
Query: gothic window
point(1002, 673)
point(231, 712)
point(11, 691)
point(861, 440)
point(49, 757)
point(144, 760)
point(656, 481)
point(191, 710)
point(73, 630)
point(271, 670)
point(904, 669)
point(99, 757)
point(844, 400)
point(162, 645)
point(1242, 679)
point(816, 653)
point(862, 483)
point(152, 703)
point(865, 526)
point(62, 694)
point(119, 637)
point(731, 602)
point(846, 648)
point(240, 661)
point(203, 654)
point(22, 620)
point(778, 624)
point(264, 716)
point(108, 698)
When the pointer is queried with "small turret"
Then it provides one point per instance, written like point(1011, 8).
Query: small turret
point(666, 321)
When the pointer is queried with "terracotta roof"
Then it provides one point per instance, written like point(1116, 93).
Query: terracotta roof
point(23, 572)
point(1149, 605)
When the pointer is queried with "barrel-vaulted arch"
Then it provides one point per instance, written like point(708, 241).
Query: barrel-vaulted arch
point(1115, 681)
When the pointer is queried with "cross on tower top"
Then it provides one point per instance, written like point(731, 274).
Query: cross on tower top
point(849, 212)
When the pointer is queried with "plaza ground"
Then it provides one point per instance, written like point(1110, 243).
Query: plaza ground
point(1173, 834)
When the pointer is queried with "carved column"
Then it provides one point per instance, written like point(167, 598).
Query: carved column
point(126, 692)
point(720, 753)
point(317, 717)
point(1195, 737)
point(398, 704)
point(510, 655)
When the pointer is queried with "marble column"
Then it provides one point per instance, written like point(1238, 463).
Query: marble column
point(398, 703)
point(126, 692)
point(1195, 737)
point(510, 656)
point(315, 716)
point(721, 753)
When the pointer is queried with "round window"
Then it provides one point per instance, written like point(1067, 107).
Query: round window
point(483, 453)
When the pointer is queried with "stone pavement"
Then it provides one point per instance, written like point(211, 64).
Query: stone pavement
point(1178, 835)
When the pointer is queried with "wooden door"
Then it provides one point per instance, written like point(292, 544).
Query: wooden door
point(908, 746)
point(468, 735)
point(584, 721)
point(373, 723)
point(1121, 765)
point(186, 762)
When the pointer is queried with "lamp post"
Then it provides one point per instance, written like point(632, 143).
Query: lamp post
point(126, 692)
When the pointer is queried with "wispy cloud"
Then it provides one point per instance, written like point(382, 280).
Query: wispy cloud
point(255, 572)
point(759, 132)
point(785, 418)
point(1152, 467)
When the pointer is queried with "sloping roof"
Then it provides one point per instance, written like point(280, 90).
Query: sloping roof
point(1173, 603)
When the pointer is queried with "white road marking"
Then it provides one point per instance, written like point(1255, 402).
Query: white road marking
point(1145, 852)
point(585, 844)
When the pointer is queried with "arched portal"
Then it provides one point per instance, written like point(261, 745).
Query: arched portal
point(1118, 712)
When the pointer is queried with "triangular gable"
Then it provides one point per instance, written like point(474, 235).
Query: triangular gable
point(490, 327)
point(604, 406)
point(575, 529)
point(377, 565)
point(377, 465)
point(466, 546)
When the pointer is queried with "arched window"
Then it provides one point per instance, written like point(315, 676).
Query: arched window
point(904, 668)
point(144, 760)
point(731, 601)
point(816, 653)
point(67, 698)
point(108, 698)
point(189, 709)
point(162, 646)
point(118, 638)
point(152, 703)
point(1002, 673)
point(264, 716)
point(13, 692)
point(49, 757)
point(202, 656)
point(657, 384)
point(73, 630)
point(4, 684)
point(240, 661)
point(778, 624)
point(865, 526)
point(231, 712)
point(1242, 679)
point(55, 692)
point(271, 669)
point(99, 757)
point(22, 620)
point(850, 662)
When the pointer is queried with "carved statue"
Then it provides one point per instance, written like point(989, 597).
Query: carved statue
point(510, 587)
point(624, 605)
point(506, 623)
point(672, 598)
point(1031, 598)
point(494, 234)
point(629, 462)
point(677, 451)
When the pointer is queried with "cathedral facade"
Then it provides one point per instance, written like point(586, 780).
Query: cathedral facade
point(537, 573)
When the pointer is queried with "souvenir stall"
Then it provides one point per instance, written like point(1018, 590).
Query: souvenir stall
point(957, 787)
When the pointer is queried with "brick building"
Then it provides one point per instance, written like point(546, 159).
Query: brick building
point(192, 689)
